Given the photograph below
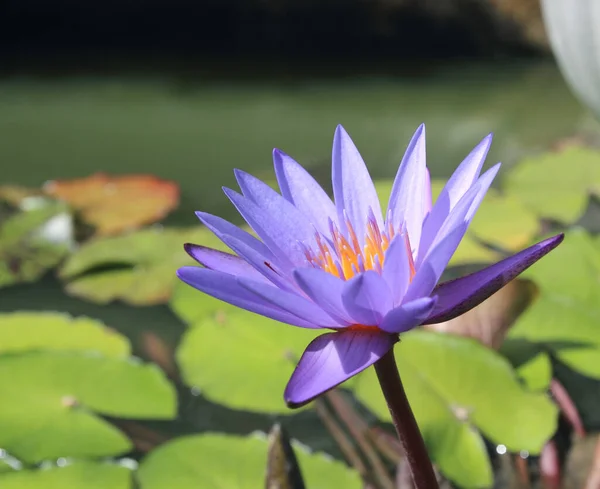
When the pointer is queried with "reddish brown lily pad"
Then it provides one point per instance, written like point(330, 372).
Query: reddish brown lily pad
point(113, 204)
point(490, 321)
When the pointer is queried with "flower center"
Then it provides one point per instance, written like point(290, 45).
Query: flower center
point(343, 256)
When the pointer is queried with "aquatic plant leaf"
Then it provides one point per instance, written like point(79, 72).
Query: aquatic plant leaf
point(504, 222)
point(283, 471)
point(137, 268)
point(565, 318)
point(489, 322)
point(113, 204)
point(460, 390)
point(27, 250)
point(49, 400)
point(234, 462)
point(530, 361)
point(260, 357)
point(26, 331)
point(79, 475)
point(556, 185)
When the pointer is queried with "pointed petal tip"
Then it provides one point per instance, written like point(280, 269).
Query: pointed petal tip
point(340, 132)
point(462, 294)
point(228, 191)
point(189, 248)
point(182, 272)
point(278, 155)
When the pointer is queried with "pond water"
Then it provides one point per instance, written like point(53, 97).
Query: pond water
point(195, 131)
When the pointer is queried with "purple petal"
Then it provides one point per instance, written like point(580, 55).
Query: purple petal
point(281, 231)
point(432, 269)
point(449, 237)
point(353, 187)
point(302, 190)
point(325, 290)
point(457, 186)
point(220, 227)
point(408, 315)
point(396, 269)
point(333, 358)
point(408, 205)
point(456, 297)
point(427, 192)
point(225, 287)
point(367, 298)
point(262, 265)
point(222, 262)
point(292, 303)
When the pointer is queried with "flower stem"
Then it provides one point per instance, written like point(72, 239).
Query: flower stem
point(405, 423)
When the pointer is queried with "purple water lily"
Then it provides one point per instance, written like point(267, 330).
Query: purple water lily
point(346, 267)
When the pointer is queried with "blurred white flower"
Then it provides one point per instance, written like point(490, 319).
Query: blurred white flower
point(573, 27)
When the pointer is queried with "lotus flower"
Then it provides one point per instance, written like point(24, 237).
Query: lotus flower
point(345, 267)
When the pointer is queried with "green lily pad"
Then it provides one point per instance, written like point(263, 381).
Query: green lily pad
point(80, 475)
point(231, 462)
point(504, 221)
point(5, 466)
point(566, 316)
point(27, 250)
point(556, 185)
point(242, 360)
point(48, 399)
point(26, 331)
point(532, 364)
point(138, 268)
point(459, 389)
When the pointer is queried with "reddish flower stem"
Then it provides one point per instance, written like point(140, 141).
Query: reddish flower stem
point(405, 423)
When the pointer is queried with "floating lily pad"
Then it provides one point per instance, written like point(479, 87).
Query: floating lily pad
point(80, 475)
point(137, 268)
point(459, 389)
point(26, 331)
point(556, 185)
point(48, 399)
point(566, 316)
point(504, 222)
point(242, 360)
point(231, 462)
point(113, 204)
point(5, 466)
point(26, 252)
point(532, 364)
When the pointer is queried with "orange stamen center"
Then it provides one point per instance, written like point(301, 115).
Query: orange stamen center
point(343, 256)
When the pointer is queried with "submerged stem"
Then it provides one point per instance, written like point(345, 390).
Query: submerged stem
point(405, 423)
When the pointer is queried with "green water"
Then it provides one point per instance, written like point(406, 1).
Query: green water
point(197, 131)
